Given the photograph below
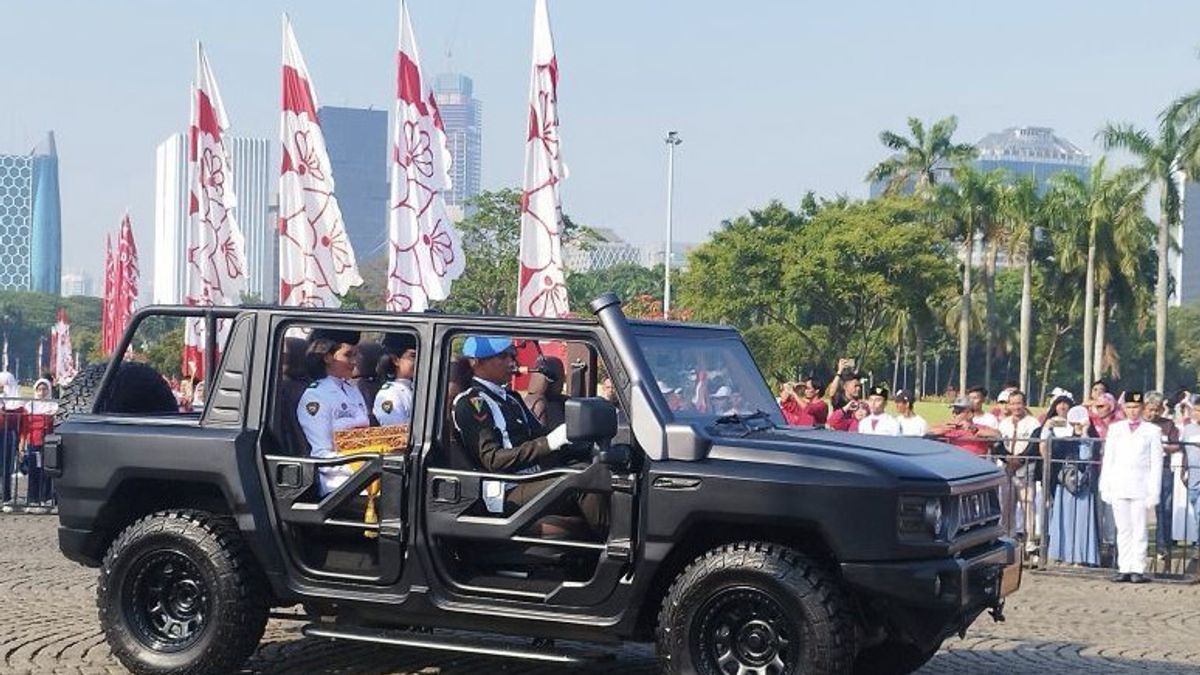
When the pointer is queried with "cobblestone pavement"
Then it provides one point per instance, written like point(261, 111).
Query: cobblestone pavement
point(1055, 625)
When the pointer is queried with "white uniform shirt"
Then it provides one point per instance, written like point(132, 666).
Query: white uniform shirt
point(1132, 463)
point(913, 425)
point(394, 402)
point(330, 404)
point(882, 424)
point(1022, 428)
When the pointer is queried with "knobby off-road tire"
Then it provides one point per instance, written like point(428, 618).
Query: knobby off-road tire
point(136, 388)
point(759, 607)
point(891, 658)
point(180, 593)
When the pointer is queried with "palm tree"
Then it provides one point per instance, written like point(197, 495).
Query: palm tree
point(1161, 159)
point(917, 157)
point(1022, 210)
point(969, 209)
point(1100, 215)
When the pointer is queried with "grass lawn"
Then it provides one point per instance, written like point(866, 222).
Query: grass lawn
point(937, 412)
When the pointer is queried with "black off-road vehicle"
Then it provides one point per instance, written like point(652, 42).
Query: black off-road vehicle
point(738, 544)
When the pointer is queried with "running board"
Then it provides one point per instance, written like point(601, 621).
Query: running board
point(460, 644)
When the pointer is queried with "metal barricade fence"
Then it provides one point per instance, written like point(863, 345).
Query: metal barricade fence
point(26, 488)
point(1052, 505)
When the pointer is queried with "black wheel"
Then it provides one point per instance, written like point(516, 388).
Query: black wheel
point(892, 658)
point(755, 609)
point(179, 593)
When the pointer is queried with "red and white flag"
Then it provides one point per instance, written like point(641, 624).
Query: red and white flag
point(215, 261)
point(542, 289)
point(424, 250)
point(108, 338)
point(126, 278)
point(316, 262)
point(62, 356)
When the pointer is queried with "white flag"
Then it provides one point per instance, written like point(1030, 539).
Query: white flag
point(216, 264)
point(542, 289)
point(424, 251)
point(316, 260)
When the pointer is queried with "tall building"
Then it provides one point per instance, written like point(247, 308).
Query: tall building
point(31, 220)
point(77, 283)
point(254, 179)
point(170, 220)
point(1022, 151)
point(252, 184)
point(357, 141)
point(462, 115)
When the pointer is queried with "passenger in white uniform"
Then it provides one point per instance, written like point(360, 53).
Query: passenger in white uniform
point(397, 366)
point(331, 403)
point(878, 422)
point(1131, 481)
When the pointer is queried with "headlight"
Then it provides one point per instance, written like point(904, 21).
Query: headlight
point(922, 517)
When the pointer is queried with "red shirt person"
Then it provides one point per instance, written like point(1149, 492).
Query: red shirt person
point(962, 432)
point(802, 405)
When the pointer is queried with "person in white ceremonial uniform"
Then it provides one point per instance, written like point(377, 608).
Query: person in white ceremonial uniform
point(397, 366)
point(877, 422)
point(1130, 480)
point(911, 424)
point(331, 403)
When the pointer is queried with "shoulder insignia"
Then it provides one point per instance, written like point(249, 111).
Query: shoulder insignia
point(312, 407)
point(314, 384)
point(476, 403)
point(386, 385)
point(387, 407)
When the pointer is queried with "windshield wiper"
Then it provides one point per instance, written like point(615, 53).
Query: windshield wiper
point(760, 418)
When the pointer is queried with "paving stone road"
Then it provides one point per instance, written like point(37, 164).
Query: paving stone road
point(1055, 625)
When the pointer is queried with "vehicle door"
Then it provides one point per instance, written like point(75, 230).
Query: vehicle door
point(358, 531)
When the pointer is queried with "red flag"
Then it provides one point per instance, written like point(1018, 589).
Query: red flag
point(542, 289)
point(108, 340)
point(316, 260)
point(126, 279)
point(424, 250)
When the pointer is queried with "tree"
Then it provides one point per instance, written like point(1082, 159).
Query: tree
point(918, 156)
point(627, 280)
point(1161, 158)
point(491, 244)
point(1103, 216)
point(968, 208)
point(1022, 211)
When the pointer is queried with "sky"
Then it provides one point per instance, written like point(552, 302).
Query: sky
point(772, 98)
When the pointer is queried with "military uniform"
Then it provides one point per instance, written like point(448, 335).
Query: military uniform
point(1130, 476)
point(330, 404)
point(394, 402)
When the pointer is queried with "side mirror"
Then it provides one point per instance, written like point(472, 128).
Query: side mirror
point(590, 420)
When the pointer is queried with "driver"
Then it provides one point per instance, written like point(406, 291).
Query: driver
point(498, 429)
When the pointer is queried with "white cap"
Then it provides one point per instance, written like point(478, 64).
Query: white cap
point(1078, 415)
point(1003, 397)
point(1059, 392)
point(722, 392)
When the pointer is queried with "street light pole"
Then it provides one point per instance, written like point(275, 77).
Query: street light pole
point(672, 140)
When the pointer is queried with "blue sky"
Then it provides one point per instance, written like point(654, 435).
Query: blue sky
point(771, 97)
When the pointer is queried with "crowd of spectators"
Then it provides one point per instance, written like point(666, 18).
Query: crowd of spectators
point(1101, 461)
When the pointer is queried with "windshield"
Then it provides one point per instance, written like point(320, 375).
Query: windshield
point(704, 378)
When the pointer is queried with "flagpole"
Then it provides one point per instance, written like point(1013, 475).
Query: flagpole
point(672, 140)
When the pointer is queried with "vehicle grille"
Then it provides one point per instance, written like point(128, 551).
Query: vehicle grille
point(978, 509)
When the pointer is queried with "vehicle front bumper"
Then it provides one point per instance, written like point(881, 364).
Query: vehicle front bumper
point(981, 578)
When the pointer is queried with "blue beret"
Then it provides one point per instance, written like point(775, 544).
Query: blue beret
point(484, 346)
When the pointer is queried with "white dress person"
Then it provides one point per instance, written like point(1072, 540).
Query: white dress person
point(1131, 480)
point(394, 402)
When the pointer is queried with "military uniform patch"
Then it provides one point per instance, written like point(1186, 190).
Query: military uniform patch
point(312, 407)
point(476, 403)
point(387, 407)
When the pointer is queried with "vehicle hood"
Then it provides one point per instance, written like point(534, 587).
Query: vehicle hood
point(898, 456)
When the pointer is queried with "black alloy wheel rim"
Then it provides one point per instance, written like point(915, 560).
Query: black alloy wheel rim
point(744, 631)
point(166, 601)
